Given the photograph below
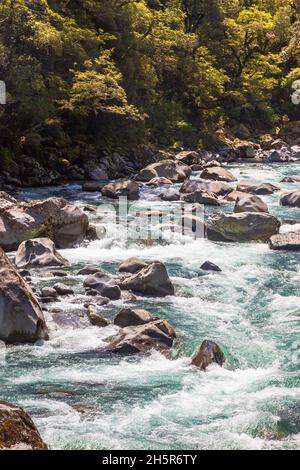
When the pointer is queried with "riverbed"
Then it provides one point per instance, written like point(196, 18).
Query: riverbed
point(79, 400)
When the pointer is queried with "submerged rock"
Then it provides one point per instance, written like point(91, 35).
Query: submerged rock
point(132, 265)
point(218, 174)
point(242, 227)
point(96, 319)
point(170, 169)
point(88, 270)
point(286, 241)
point(54, 218)
point(104, 284)
point(291, 199)
point(17, 430)
point(250, 204)
point(257, 188)
point(290, 179)
point(117, 189)
point(129, 317)
point(170, 195)
point(201, 197)
point(38, 253)
point(208, 353)
point(209, 266)
point(62, 289)
point(156, 335)
point(152, 280)
point(21, 316)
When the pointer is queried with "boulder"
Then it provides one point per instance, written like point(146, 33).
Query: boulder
point(296, 151)
point(291, 199)
point(249, 203)
point(208, 353)
point(132, 265)
point(201, 197)
point(290, 179)
point(170, 195)
point(234, 195)
point(54, 218)
point(88, 270)
point(210, 187)
point(218, 174)
point(152, 280)
point(285, 241)
point(62, 289)
point(128, 317)
point(197, 167)
point(17, 430)
point(209, 266)
point(104, 284)
point(96, 319)
point(21, 316)
point(266, 141)
point(38, 253)
point(245, 149)
point(280, 156)
point(156, 335)
point(188, 157)
point(257, 188)
point(242, 227)
point(94, 171)
point(172, 170)
point(48, 292)
point(128, 188)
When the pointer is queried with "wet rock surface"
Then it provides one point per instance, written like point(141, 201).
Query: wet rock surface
point(17, 430)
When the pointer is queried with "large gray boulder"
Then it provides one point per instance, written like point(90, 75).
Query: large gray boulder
point(54, 218)
point(21, 316)
point(188, 157)
point(249, 203)
point(208, 353)
point(132, 265)
point(211, 187)
point(257, 188)
point(170, 169)
point(201, 197)
point(242, 227)
point(218, 174)
point(152, 280)
point(17, 430)
point(156, 335)
point(127, 188)
point(170, 195)
point(286, 241)
point(291, 199)
point(129, 317)
point(104, 284)
point(38, 253)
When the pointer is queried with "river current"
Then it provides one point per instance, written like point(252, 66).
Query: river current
point(79, 400)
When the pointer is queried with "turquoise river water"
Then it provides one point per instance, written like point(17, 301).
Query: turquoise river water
point(79, 400)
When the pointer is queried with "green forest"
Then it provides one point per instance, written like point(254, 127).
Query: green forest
point(164, 72)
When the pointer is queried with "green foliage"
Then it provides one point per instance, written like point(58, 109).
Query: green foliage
point(129, 70)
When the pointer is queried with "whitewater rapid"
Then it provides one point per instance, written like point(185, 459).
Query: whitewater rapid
point(79, 400)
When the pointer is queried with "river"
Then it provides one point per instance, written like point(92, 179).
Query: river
point(79, 400)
